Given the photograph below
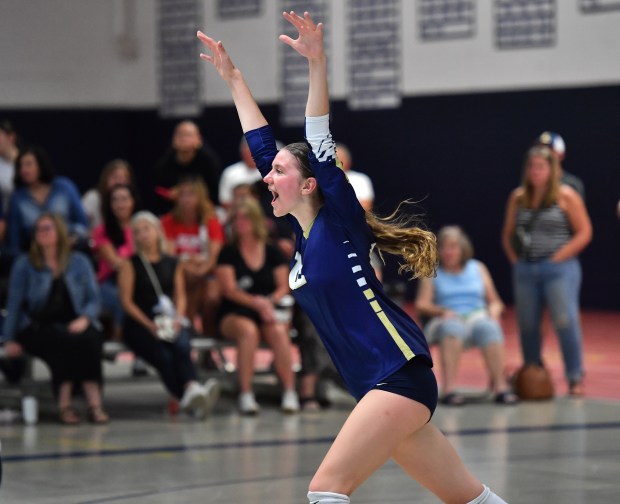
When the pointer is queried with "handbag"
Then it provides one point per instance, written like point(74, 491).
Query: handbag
point(521, 238)
point(165, 318)
point(533, 382)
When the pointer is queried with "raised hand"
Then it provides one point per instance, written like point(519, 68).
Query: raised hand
point(219, 58)
point(309, 43)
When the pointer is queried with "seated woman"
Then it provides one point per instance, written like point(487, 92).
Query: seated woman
point(116, 172)
point(112, 242)
point(196, 237)
point(53, 309)
point(464, 309)
point(253, 277)
point(151, 283)
point(38, 190)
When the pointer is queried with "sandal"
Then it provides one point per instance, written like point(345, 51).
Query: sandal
point(309, 404)
point(452, 399)
point(97, 415)
point(575, 389)
point(506, 397)
point(68, 416)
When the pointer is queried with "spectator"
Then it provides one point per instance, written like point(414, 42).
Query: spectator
point(53, 310)
point(253, 276)
point(556, 143)
point(116, 172)
point(112, 242)
point(142, 300)
point(196, 237)
point(38, 190)
point(314, 358)
point(546, 225)
point(464, 310)
point(362, 185)
point(188, 156)
point(241, 172)
point(8, 156)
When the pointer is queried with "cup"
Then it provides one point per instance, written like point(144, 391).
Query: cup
point(30, 410)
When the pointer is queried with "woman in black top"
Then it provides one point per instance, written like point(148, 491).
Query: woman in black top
point(53, 307)
point(253, 276)
point(141, 302)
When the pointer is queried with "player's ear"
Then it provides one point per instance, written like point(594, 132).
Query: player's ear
point(309, 185)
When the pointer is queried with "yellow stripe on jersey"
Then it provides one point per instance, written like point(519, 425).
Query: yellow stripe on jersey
point(404, 348)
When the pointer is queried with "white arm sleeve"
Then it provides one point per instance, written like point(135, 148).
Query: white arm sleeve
point(320, 138)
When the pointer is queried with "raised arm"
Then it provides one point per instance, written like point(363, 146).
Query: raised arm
point(249, 113)
point(310, 45)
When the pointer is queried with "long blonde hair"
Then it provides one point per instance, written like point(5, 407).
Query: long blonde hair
point(399, 234)
point(552, 190)
point(255, 213)
point(63, 247)
point(205, 209)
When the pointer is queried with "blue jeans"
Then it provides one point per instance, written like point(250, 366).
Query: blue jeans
point(556, 286)
point(110, 302)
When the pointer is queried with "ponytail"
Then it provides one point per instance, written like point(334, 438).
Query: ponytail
point(396, 234)
point(399, 234)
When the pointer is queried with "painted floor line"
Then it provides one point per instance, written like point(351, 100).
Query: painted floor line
point(78, 454)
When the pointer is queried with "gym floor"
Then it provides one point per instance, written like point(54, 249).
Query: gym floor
point(561, 451)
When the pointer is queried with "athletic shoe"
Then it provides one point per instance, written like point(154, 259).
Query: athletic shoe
point(290, 402)
point(212, 392)
point(248, 404)
point(194, 400)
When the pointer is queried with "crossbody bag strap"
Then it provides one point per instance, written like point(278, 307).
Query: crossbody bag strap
point(152, 276)
point(530, 223)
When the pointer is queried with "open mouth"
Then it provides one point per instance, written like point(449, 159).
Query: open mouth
point(275, 196)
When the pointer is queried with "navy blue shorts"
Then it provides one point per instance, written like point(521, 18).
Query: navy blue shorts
point(414, 380)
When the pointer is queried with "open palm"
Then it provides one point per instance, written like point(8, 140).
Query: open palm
point(309, 43)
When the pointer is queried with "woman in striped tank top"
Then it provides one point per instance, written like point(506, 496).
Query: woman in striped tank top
point(551, 224)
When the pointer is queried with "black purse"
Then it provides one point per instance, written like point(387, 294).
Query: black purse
point(521, 239)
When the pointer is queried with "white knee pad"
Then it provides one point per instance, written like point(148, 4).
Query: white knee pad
point(488, 497)
point(327, 498)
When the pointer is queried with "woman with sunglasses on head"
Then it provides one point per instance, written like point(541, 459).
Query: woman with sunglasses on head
point(53, 309)
point(380, 352)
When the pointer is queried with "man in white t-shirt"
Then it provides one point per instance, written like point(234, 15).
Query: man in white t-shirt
point(241, 172)
point(362, 185)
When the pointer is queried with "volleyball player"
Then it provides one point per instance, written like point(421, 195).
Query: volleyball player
point(380, 352)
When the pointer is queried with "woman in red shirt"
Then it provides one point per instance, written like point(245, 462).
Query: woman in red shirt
point(196, 236)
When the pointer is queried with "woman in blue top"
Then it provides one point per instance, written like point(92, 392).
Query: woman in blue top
point(463, 308)
point(380, 352)
point(38, 190)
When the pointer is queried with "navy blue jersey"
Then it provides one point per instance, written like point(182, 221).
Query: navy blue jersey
point(367, 336)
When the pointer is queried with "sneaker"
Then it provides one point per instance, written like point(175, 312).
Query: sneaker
point(194, 400)
point(247, 404)
point(290, 402)
point(212, 392)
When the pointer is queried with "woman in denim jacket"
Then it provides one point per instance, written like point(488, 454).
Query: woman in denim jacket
point(53, 306)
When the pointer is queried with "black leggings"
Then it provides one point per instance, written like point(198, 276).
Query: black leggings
point(70, 357)
point(172, 361)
